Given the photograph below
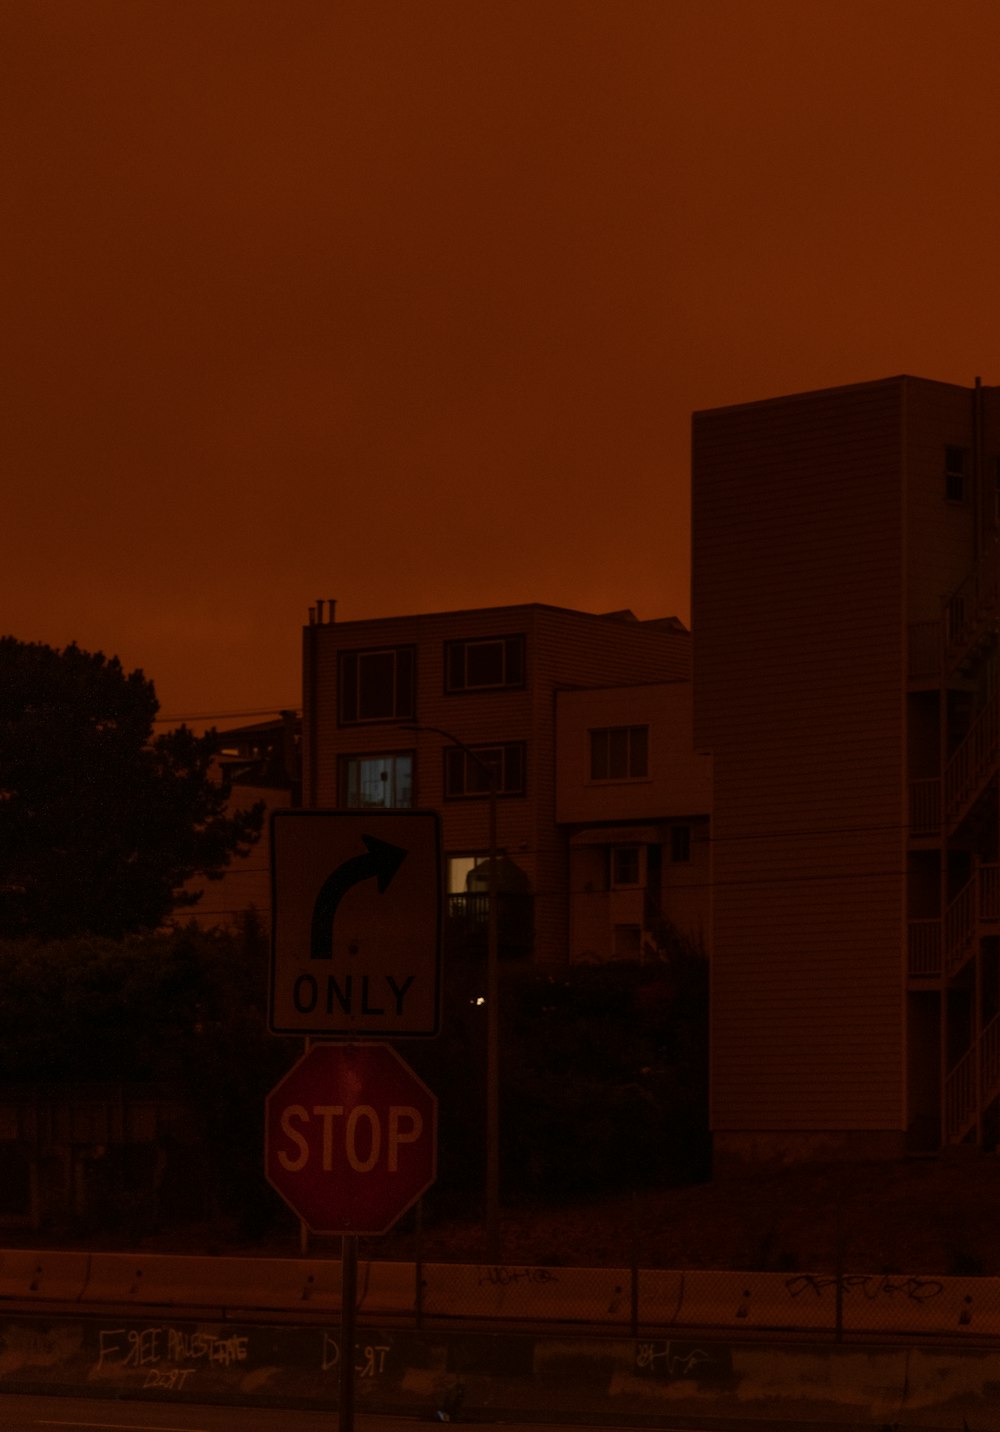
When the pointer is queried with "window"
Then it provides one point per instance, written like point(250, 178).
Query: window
point(376, 685)
point(464, 773)
point(485, 664)
point(954, 474)
point(460, 867)
point(377, 781)
point(680, 844)
point(625, 865)
point(619, 753)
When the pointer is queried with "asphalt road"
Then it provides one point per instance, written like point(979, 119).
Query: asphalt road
point(25, 1413)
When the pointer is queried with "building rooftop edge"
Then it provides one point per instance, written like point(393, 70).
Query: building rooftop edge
point(624, 615)
point(838, 388)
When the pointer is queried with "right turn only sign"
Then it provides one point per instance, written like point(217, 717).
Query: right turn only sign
point(356, 923)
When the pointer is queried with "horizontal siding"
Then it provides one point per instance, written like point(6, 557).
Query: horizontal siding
point(679, 781)
point(798, 611)
point(940, 533)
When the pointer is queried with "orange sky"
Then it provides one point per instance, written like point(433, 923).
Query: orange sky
point(408, 302)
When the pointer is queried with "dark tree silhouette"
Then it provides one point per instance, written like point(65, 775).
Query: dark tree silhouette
point(101, 822)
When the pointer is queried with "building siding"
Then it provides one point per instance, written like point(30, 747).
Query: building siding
point(798, 614)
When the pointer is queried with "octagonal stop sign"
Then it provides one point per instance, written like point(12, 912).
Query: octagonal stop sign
point(351, 1138)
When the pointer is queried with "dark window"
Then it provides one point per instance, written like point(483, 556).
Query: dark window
point(377, 781)
point(954, 474)
point(680, 843)
point(376, 685)
point(619, 753)
point(484, 664)
point(624, 865)
point(466, 773)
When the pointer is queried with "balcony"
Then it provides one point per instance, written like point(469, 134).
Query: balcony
point(925, 807)
point(973, 913)
point(924, 651)
point(972, 1084)
point(973, 765)
point(970, 613)
point(467, 923)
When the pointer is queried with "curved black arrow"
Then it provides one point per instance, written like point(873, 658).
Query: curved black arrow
point(382, 862)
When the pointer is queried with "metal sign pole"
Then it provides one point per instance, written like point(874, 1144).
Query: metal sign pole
point(348, 1299)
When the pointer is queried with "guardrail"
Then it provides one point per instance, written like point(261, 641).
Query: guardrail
point(225, 1288)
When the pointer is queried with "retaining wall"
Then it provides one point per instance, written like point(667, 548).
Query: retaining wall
point(852, 1305)
point(510, 1377)
point(658, 1347)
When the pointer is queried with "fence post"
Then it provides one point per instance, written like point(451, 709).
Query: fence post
point(418, 1264)
point(634, 1269)
point(838, 1269)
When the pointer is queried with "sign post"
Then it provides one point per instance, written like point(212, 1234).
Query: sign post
point(350, 1145)
point(351, 1131)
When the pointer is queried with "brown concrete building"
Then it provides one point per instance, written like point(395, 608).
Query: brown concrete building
point(845, 610)
point(389, 704)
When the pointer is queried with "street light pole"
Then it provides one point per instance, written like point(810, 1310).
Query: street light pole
point(492, 1045)
point(492, 1004)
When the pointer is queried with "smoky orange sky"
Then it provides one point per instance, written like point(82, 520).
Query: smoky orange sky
point(408, 302)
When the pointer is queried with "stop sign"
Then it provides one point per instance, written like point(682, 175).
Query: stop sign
point(351, 1138)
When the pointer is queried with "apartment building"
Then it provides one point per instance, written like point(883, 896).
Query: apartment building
point(634, 800)
point(845, 607)
point(419, 710)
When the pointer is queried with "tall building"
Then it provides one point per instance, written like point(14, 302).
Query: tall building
point(845, 590)
point(419, 710)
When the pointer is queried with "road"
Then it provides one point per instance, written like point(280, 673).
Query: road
point(25, 1413)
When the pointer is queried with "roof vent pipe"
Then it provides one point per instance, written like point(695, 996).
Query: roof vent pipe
point(331, 603)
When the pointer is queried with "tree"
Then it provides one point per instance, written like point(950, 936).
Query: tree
point(101, 822)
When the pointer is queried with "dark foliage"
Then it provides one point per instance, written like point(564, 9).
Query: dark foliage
point(184, 1013)
point(101, 823)
point(602, 1069)
point(604, 1074)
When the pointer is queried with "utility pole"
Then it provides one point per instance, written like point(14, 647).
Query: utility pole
point(492, 1001)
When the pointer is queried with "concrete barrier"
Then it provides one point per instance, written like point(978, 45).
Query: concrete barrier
point(43, 1276)
point(747, 1300)
point(528, 1293)
point(384, 1287)
point(858, 1305)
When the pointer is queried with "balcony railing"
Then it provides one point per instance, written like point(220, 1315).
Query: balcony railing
point(970, 613)
point(960, 927)
point(924, 650)
point(969, 915)
point(925, 807)
point(966, 1094)
point(973, 763)
point(468, 921)
point(924, 938)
